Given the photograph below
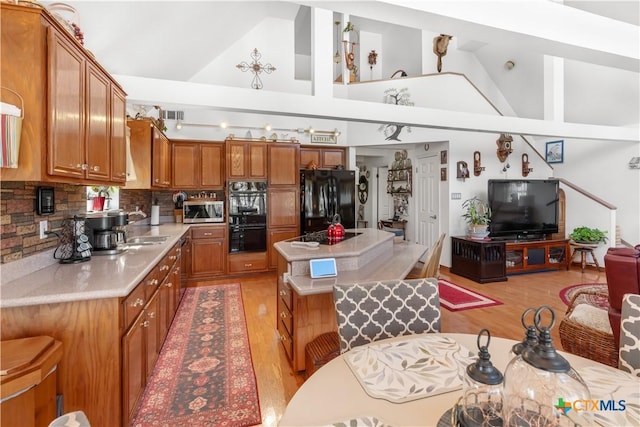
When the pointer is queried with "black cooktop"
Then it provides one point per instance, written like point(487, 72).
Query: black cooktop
point(321, 237)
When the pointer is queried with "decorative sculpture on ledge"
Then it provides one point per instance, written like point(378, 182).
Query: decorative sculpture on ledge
point(440, 44)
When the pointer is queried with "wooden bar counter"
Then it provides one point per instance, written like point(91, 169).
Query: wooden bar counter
point(305, 305)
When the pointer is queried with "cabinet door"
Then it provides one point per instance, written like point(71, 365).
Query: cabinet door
point(236, 165)
point(246, 160)
point(186, 164)
point(208, 257)
point(283, 207)
point(309, 156)
point(212, 166)
point(65, 148)
point(118, 136)
point(257, 160)
point(160, 153)
point(98, 146)
point(133, 369)
point(283, 164)
point(332, 157)
point(153, 329)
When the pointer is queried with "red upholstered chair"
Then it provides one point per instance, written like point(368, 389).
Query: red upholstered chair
point(622, 267)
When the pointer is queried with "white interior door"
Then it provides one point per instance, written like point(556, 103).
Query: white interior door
point(385, 204)
point(427, 200)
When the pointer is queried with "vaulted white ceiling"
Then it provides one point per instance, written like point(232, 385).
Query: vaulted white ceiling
point(174, 40)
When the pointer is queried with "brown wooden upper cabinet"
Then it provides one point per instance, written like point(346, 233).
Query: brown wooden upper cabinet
point(161, 165)
point(246, 160)
point(74, 118)
point(284, 164)
point(198, 165)
point(322, 157)
point(151, 154)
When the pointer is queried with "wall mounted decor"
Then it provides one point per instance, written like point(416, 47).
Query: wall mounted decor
point(443, 157)
point(256, 68)
point(462, 170)
point(554, 152)
point(505, 148)
point(440, 44)
point(373, 60)
point(525, 165)
point(396, 97)
point(477, 163)
point(363, 189)
point(443, 174)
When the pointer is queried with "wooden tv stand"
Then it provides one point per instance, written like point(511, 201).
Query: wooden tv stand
point(528, 256)
point(492, 260)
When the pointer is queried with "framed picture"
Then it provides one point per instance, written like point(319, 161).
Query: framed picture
point(554, 152)
point(443, 157)
point(443, 174)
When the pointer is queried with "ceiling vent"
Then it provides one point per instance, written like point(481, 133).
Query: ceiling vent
point(172, 115)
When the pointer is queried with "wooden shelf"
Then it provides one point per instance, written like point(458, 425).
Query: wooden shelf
point(402, 175)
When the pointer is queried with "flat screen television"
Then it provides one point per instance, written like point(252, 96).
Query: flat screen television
point(523, 208)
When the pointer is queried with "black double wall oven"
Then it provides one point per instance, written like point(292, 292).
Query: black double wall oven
point(247, 216)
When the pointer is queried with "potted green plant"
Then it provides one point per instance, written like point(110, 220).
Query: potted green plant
point(588, 235)
point(99, 194)
point(478, 216)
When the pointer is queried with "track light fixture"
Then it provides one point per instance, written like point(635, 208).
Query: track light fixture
point(265, 128)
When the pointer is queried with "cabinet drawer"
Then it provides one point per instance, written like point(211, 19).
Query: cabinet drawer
point(286, 318)
point(284, 293)
point(150, 284)
point(285, 338)
point(133, 304)
point(254, 261)
point(207, 233)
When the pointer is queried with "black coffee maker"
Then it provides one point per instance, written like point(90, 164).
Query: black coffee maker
point(107, 232)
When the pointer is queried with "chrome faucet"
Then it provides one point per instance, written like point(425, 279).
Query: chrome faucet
point(137, 212)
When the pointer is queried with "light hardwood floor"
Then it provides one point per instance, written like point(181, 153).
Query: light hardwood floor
point(277, 383)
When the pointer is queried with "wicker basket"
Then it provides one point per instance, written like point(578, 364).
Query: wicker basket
point(585, 341)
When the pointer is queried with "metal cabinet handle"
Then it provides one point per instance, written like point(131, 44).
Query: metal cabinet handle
point(169, 284)
point(248, 265)
point(208, 234)
point(152, 315)
point(137, 302)
point(164, 267)
point(145, 324)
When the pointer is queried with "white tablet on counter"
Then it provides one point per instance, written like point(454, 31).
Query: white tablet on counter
point(323, 267)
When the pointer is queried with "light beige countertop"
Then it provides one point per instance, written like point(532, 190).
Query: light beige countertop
point(372, 255)
point(103, 276)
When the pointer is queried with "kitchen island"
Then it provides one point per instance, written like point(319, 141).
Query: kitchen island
point(305, 305)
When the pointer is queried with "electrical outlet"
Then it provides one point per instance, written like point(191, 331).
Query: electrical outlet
point(44, 226)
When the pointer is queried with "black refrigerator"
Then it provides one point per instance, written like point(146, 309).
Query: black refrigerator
point(323, 194)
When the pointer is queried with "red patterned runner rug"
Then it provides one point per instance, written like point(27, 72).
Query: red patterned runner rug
point(456, 298)
point(204, 374)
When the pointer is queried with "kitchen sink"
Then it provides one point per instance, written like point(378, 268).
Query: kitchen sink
point(147, 240)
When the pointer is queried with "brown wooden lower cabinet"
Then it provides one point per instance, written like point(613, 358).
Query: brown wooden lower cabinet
point(109, 345)
point(247, 261)
point(208, 251)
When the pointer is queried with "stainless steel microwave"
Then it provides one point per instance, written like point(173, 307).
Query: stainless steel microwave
point(195, 211)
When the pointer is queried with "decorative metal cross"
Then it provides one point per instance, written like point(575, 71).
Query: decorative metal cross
point(256, 68)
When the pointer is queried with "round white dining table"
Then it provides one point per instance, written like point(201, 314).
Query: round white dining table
point(333, 394)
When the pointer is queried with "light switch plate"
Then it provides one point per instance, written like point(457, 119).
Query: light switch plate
point(456, 196)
